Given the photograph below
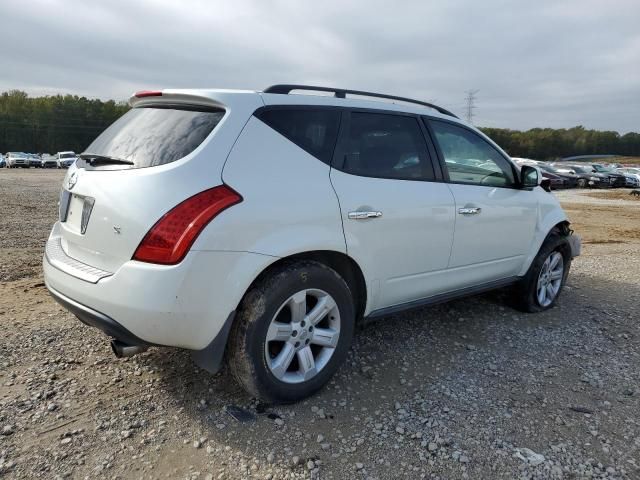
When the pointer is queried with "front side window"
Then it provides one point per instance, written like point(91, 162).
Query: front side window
point(313, 130)
point(386, 146)
point(471, 159)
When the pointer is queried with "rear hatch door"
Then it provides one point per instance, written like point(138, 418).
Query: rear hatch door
point(164, 150)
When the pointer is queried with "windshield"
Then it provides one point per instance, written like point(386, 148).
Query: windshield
point(151, 136)
point(67, 155)
point(601, 169)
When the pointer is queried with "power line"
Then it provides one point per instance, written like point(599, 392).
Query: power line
point(471, 103)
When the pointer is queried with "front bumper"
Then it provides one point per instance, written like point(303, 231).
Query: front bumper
point(599, 184)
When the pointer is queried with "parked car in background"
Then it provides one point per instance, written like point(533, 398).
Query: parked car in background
point(34, 160)
point(258, 228)
point(17, 160)
point(586, 172)
point(632, 181)
point(48, 161)
point(630, 171)
point(581, 176)
point(3, 162)
point(65, 159)
point(616, 180)
point(571, 179)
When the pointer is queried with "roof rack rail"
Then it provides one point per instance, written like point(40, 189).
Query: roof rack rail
point(285, 89)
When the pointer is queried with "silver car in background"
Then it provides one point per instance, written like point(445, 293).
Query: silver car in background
point(17, 159)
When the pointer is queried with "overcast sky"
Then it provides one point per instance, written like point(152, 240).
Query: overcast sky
point(535, 63)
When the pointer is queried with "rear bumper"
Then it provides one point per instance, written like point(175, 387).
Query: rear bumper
point(210, 357)
point(95, 319)
point(184, 305)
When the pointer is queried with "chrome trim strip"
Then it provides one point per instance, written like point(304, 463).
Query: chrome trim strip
point(63, 262)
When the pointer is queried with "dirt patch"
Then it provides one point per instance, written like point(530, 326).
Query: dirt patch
point(615, 195)
point(604, 223)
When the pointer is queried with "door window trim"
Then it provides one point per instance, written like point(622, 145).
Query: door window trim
point(433, 151)
point(345, 125)
point(427, 119)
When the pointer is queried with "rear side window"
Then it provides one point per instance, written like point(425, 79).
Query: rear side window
point(386, 146)
point(151, 136)
point(313, 130)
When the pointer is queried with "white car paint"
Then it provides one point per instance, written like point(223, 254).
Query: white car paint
point(292, 203)
point(404, 251)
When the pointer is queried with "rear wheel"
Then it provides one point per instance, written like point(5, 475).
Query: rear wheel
point(292, 333)
point(540, 288)
point(582, 182)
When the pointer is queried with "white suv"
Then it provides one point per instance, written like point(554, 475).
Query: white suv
point(258, 228)
point(65, 159)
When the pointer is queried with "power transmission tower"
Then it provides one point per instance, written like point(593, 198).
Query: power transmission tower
point(471, 104)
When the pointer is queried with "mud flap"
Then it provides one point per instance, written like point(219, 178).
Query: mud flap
point(210, 357)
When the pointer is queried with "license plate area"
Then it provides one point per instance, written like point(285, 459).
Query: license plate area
point(75, 211)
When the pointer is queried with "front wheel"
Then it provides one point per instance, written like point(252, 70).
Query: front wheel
point(582, 182)
point(540, 288)
point(292, 333)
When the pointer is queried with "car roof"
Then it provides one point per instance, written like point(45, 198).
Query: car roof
point(251, 100)
point(230, 98)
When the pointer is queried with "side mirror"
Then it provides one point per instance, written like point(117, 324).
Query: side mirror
point(530, 176)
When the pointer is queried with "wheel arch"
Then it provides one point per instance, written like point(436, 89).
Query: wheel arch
point(558, 225)
point(343, 264)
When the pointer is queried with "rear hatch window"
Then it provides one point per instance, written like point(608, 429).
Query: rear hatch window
point(152, 135)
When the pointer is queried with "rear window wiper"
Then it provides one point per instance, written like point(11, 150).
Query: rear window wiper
point(95, 159)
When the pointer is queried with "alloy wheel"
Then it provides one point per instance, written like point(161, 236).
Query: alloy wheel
point(550, 279)
point(302, 336)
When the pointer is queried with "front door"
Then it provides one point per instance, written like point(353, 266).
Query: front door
point(495, 220)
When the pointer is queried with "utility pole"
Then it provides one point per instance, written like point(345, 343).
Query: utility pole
point(471, 103)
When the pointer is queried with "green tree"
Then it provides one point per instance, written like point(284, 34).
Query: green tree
point(53, 123)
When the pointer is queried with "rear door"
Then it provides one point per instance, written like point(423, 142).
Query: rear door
point(398, 220)
point(495, 220)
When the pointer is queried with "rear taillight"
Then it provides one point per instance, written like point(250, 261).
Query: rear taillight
point(171, 237)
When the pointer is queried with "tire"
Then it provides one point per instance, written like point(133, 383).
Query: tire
point(526, 292)
point(257, 362)
point(582, 183)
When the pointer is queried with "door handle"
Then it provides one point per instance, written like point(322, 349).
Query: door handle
point(469, 210)
point(363, 215)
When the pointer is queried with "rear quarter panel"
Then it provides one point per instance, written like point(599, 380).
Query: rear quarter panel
point(288, 203)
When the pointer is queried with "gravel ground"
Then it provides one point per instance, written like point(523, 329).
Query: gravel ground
point(470, 389)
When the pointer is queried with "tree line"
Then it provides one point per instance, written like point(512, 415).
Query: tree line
point(68, 122)
point(553, 143)
point(53, 123)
